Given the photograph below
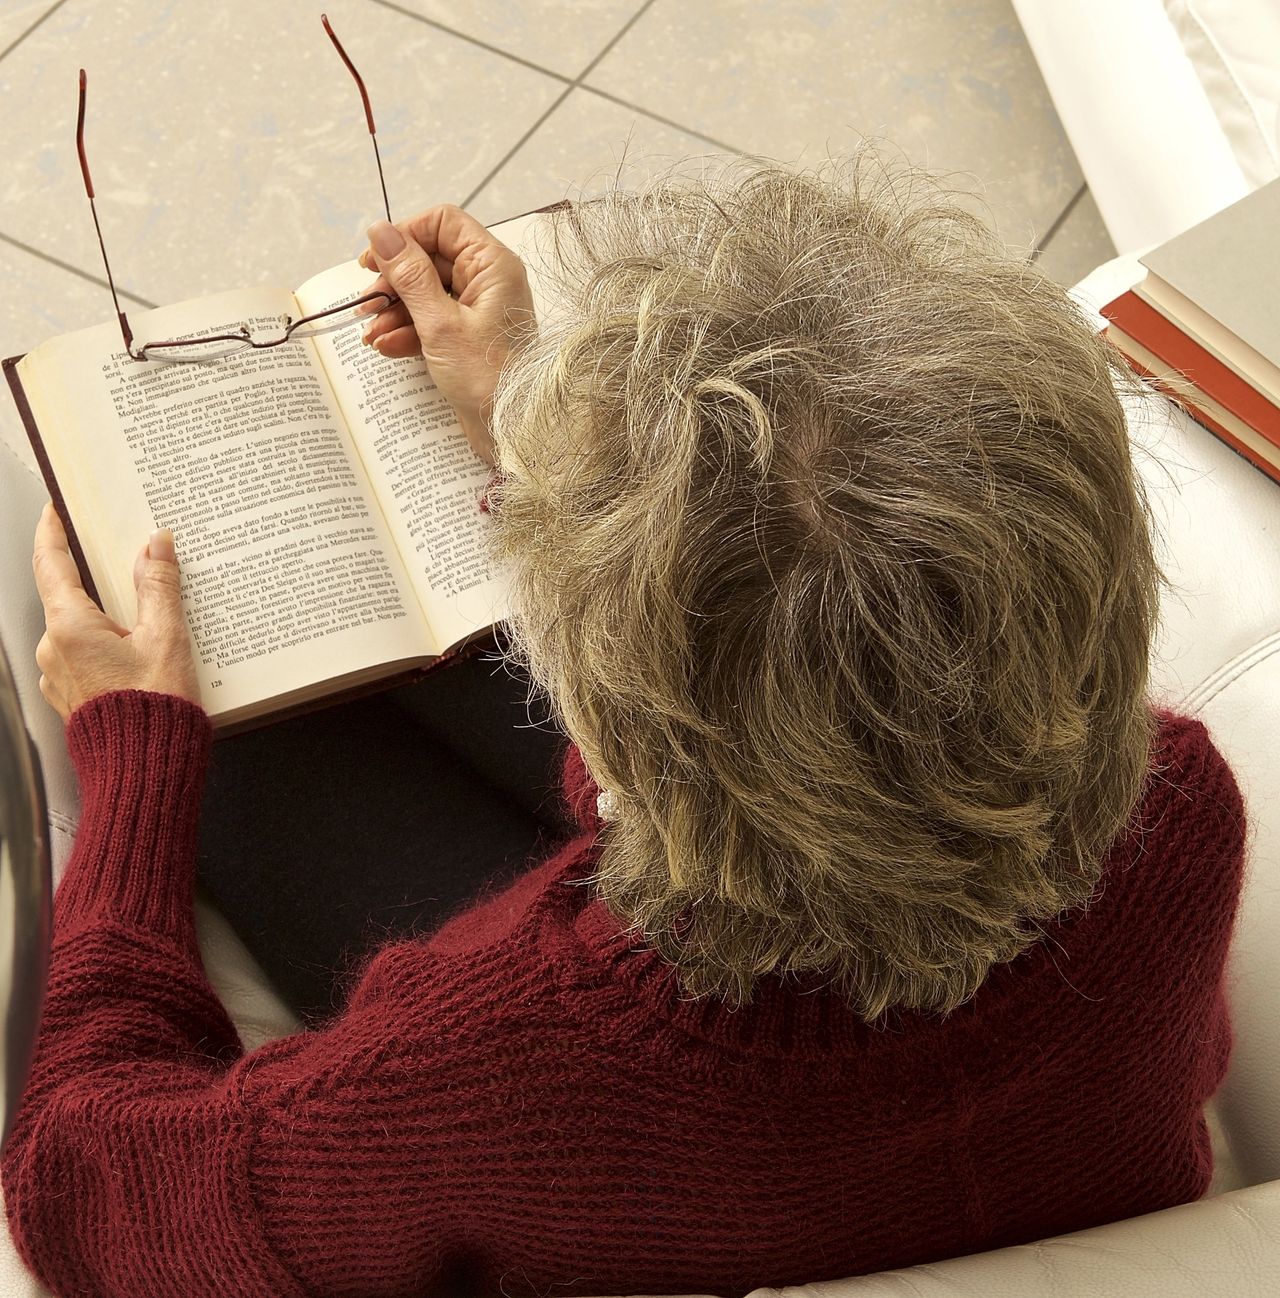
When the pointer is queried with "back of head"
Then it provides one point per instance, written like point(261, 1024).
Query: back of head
point(825, 541)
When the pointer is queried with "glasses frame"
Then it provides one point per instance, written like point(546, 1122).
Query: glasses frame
point(242, 335)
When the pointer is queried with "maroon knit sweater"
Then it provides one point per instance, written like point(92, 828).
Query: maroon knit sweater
point(524, 1104)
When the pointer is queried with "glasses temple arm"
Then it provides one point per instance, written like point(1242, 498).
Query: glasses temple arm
point(378, 159)
point(368, 112)
point(88, 189)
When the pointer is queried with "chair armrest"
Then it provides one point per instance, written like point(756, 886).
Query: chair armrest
point(1149, 144)
point(1214, 1248)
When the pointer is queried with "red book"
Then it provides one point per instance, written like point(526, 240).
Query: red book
point(1243, 440)
point(1166, 341)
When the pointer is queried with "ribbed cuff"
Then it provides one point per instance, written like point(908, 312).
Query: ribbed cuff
point(141, 759)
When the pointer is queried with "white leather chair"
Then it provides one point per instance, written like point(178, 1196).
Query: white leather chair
point(1172, 106)
point(1217, 657)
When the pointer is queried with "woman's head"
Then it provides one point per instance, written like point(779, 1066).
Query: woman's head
point(826, 544)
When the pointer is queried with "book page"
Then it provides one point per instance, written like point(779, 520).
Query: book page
point(422, 467)
point(1229, 266)
point(289, 576)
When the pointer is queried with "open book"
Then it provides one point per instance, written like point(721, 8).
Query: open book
point(324, 502)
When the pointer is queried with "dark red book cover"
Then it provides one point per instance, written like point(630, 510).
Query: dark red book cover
point(1248, 453)
point(1164, 339)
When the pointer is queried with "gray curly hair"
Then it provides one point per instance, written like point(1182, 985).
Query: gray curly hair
point(826, 545)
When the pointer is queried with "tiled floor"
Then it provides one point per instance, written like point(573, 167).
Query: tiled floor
point(228, 147)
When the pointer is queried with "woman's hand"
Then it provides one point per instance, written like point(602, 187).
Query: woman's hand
point(464, 298)
point(83, 653)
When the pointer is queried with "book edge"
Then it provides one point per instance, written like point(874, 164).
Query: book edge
point(1170, 344)
point(1269, 469)
point(471, 647)
point(19, 394)
point(1217, 232)
point(1249, 363)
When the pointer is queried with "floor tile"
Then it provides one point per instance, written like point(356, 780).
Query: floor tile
point(1080, 244)
point(18, 15)
point(952, 83)
point(586, 145)
point(563, 35)
point(40, 301)
point(229, 148)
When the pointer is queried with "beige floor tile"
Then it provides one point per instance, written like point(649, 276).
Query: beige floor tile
point(951, 83)
point(40, 301)
point(227, 142)
point(1080, 244)
point(586, 145)
point(562, 35)
point(16, 16)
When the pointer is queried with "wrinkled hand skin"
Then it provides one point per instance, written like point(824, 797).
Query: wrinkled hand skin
point(464, 304)
point(83, 653)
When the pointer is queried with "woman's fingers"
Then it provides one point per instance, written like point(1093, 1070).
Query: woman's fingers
point(445, 233)
point(398, 342)
point(449, 230)
point(392, 318)
point(379, 285)
point(444, 267)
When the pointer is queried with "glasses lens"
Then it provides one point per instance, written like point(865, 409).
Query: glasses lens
point(341, 317)
point(195, 349)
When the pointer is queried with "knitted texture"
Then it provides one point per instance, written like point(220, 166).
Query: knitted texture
point(525, 1103)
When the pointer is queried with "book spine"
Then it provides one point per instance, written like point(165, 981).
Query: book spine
point(1164, 339)
point(482, 642)
point(1205, 421)
point(50, 479)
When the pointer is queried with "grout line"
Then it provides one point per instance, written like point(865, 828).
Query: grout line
point(75, 270)
point(569, 85)
point(472, 40)
point(657, 117)
point(47, 13)
point(515, 148)
point(1043, 242)
point(574, 83)
point(626, 27)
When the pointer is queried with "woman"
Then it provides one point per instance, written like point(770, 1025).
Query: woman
point(892, 921)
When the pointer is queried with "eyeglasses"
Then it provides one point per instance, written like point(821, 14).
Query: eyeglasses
point(216, 346)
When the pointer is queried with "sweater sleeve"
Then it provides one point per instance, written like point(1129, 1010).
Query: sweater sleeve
point(125, 1167)
point(150, 1155)
point(1216, 852)
point(126, 1154)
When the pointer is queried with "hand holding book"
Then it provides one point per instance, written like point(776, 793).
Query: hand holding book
point(464, 303)
point(326, 496)
point(83, 653)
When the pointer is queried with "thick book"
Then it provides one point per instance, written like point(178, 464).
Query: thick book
point(1139, 330)
point(1207, 412)
point(1204, 316)
point(1218, 282)
point(325, 503)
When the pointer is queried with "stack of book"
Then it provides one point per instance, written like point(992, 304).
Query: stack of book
point(1204, 324)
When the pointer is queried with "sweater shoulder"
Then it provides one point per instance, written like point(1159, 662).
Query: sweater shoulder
point(1191, 828)
point(1190, 769)
point(508, 915)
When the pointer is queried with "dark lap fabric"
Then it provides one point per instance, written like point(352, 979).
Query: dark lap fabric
point(325, 836)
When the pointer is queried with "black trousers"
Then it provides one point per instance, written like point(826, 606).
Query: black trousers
point(325, 836)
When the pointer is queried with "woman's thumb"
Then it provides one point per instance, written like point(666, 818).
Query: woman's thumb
point(158, 582)
point(160, 546)
point(406, 267)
